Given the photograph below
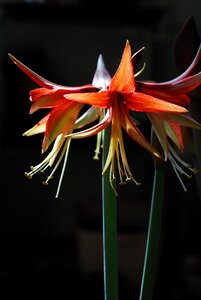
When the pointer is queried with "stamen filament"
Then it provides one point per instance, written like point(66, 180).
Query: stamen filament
point(58, 162)
point(140, 71)
point(64, 167)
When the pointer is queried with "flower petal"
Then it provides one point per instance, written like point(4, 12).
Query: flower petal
point(100, 99)
point(146, 103)
point(46, 98)
point(61, 120)
point(134, 132)
point(187, 84)
point(38, 128)
point(167, 85)
point(183, 119)
point(123, 80)
point(173, 130)
point(102, 77)
point(180, 86)
point(94, 129)
point(46, 83)
point(159, 129)
point(180, 99)
point(91, 115)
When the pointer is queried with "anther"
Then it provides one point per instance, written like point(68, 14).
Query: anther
point(96, 156)
point(28, 175)
point(128, 179)
point(45, 183)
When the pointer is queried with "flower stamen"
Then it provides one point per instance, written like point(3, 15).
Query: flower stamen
point(176, 163)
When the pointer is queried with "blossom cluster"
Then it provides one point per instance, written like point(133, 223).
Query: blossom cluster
point(108, 102)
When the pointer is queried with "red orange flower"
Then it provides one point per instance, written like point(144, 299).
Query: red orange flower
point(168, 127)
point(124, 95)
point(62, 118)
point(111, 99)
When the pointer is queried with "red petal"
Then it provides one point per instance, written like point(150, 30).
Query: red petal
point(146, 103)
point(100, 99)
point(46, 98)
point(181, 99)
point(48, 84)
point(175, 134)
point(61, 120)
point(166, 85)
point(135, 133)
point(94, 129)
point(123, 80)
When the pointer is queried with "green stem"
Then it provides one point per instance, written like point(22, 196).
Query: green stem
point(153, 236)
point(109, 230)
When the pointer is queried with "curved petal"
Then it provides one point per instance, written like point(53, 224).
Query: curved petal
point(38, 128)
point(46, 98)
point(159, 129)
point(61, 120)
point(174, 132)
point(94, 129)
point(89, 116)
point(187, 84)
point(134, 132)
point(179, 79)
point(182, 119)
point(100, 99)
point(180, 86)
point(146, 103)
point(180, 99)
point(46, 83)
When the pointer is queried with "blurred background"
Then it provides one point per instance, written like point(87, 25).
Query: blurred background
point(52, 248)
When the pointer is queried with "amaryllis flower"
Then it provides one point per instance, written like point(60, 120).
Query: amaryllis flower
point(118, 100)
point(63, 115)
point(167, 126)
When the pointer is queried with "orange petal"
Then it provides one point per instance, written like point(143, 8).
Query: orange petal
point(100, 99)
point(48, 84)
point(146, 103)
point(46, 98)
point(123, 80)
point(94, 129)
point(135, 133)
point(61, 120)
point(38, 128)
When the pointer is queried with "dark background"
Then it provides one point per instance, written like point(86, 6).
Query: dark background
point(52, 248)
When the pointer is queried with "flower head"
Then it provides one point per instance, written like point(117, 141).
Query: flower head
point(168, 126)
point(63, 116)
point(118, 100)
point(111, 101)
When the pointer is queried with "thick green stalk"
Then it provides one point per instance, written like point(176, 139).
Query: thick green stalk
point(153, 236)
point(109, 213)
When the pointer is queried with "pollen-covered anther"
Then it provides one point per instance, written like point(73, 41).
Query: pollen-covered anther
point(96, 156)
point(45, 183)
point(194, 170)
point(129, 179)
point(122, 182)
point(28, 175)
point(136, 182)
point(47, 180)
